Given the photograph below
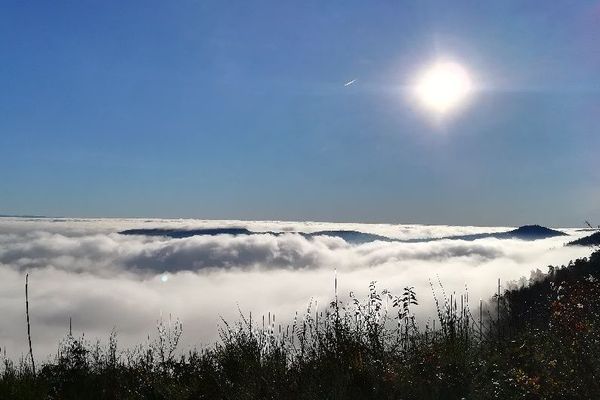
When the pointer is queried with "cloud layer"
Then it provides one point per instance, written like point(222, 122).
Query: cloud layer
point(83, 269)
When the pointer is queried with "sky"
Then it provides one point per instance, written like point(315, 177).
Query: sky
point(238, 110)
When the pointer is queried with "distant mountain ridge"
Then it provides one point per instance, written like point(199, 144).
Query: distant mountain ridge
point(184, 233)
point(591, 240)
point(355, 237)
point(23, 216)
point(527, 232)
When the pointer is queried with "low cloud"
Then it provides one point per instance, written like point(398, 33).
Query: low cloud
point(84, 270)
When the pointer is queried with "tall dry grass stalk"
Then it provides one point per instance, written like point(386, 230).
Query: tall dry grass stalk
point(28, 323)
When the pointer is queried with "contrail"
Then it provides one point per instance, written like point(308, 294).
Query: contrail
point(350, 82)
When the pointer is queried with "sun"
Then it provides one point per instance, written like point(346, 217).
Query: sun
point(443, 86)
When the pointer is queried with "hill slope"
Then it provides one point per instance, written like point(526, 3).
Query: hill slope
point(592, 240)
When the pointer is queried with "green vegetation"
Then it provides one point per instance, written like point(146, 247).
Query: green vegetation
point(539, 341)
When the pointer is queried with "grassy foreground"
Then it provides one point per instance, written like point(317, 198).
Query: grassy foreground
point(539, 341)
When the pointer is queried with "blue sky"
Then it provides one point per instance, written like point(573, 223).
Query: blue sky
point(239, 110)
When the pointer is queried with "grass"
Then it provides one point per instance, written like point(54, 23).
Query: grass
point(539, 341)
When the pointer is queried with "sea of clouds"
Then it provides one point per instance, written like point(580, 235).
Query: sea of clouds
point(85, 270)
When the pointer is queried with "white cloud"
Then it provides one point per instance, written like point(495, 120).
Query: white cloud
point(83, 269)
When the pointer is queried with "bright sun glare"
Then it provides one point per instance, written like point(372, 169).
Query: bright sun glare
point(443, 86)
